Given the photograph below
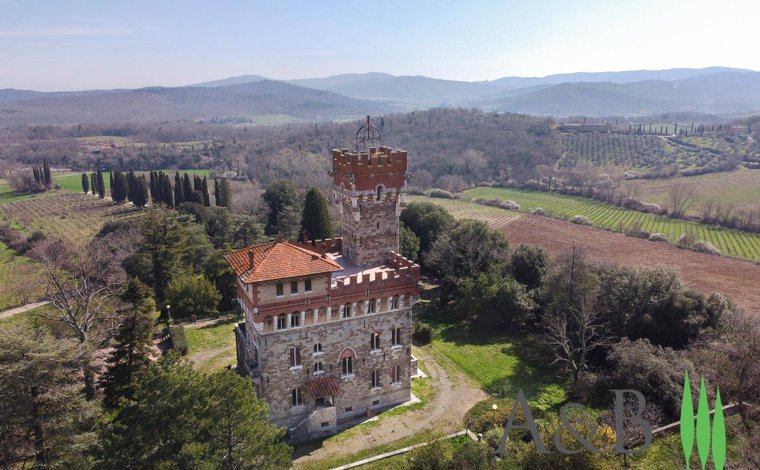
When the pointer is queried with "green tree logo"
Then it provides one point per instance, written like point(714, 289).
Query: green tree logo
point(702, 427)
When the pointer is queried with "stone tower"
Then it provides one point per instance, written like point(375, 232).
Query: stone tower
point(369, 191)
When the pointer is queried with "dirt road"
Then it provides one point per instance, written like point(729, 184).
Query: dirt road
point(455, 394)
point(22, 309)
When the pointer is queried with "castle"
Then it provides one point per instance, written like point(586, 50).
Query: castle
point(327, 331)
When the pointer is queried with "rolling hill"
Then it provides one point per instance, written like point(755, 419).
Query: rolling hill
point(186, 103)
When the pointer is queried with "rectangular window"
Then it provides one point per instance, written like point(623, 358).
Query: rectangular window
point(295, 357)
point(295, 397)
point(307, 285)
point(347, 366)
point(396, 374)
point(375, 378)
point(280, 289)
point(346, 310)
point(293, 287)
point(374, 341)
point(394, 303)
point(396, 336)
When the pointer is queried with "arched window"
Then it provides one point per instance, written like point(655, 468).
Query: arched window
point(317, 348)
point(379, 192)
point(346, 310)
point(281, 322)
point(394, 302)
point(268, 324)
point(372, 306)
point(347, 357)
point(295, 319)
point(318, 368)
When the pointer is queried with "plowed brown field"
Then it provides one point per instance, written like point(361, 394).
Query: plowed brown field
point(736, 278)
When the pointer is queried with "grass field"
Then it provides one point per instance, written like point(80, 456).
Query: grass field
point(212, 347)
point(14, 270)
point(76, 217)
point(500, 363)
point(739, 188)
point(494, 216)
point(608, 216)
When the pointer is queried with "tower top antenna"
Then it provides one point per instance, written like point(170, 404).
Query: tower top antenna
point(368, 136)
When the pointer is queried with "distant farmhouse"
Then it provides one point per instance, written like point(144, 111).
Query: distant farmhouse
point(327, 332)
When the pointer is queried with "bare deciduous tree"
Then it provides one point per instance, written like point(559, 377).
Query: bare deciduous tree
point(80, 282)
point(573, 333)
point(681, 197)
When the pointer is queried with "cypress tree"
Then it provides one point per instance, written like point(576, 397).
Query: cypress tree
point(119, 190)
point(47, 179)
point(94, 182)
point(315, 219)
point(101, 185)
point(224, 193)
point(204, 190)
point(179, 196)
point(85, 183)
point(217, 196)
point(132, 188)
point(152, 185)
point(110, 181)
point(197, 183)
point(167, 192)
point(187, 188)
point(138, 190)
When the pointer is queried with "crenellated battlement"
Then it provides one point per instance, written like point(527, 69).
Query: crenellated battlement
point(364, 171)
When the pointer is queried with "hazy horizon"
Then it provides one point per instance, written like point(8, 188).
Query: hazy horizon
point(48, 46)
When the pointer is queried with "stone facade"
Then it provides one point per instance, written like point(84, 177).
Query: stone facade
point(336, 346)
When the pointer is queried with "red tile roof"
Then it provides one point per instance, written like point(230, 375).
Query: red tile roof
point(323, 387)
point(278, 260)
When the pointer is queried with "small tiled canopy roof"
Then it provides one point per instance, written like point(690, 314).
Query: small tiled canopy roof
point(323, 387)
point(278, 260)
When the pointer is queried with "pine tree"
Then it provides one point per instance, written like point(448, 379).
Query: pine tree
point(217, 196)
point(315, 220)
point(204, 190)
point(101, 185)
point(85, 183)
point(133, 344)
point(179, 196)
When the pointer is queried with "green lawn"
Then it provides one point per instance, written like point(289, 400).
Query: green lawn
point(14, 270)
point(501, 363)
point(608, 216)
point(212, 347)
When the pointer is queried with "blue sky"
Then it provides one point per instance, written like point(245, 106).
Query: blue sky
point(67, 45)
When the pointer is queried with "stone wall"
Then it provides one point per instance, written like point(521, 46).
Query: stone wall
point(278, 378)
point(370, 230)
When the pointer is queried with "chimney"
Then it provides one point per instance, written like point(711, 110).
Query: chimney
point(250, 259)
point(305, 237)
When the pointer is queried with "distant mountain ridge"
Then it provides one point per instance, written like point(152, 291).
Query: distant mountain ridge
point(713, 90)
